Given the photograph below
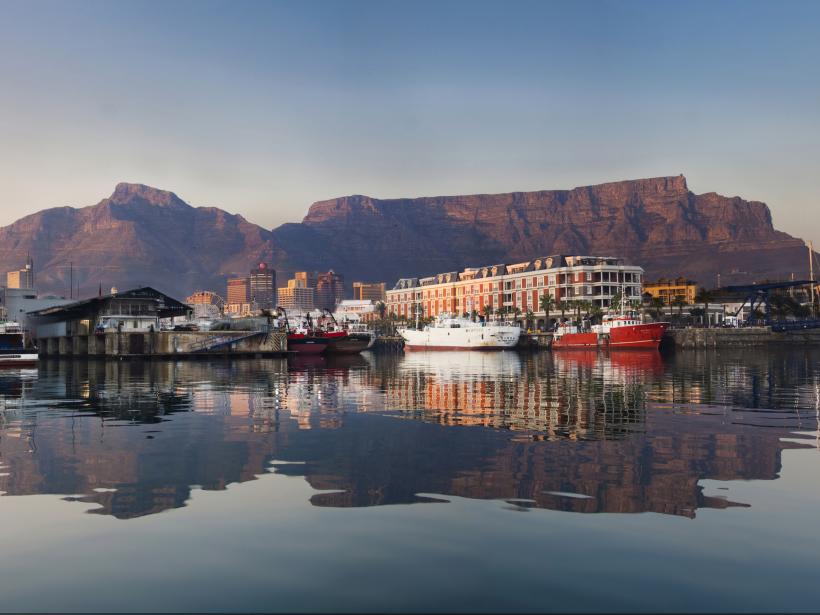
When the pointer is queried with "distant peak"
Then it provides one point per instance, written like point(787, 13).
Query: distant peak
point(125, 193)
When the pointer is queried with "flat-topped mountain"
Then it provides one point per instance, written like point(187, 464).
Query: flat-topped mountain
point(657, 223)
point(141, 235)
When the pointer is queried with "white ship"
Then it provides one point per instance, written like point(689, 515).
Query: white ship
point(450, 333)
point(13, 351)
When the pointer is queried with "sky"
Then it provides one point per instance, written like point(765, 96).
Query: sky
point(262, 108)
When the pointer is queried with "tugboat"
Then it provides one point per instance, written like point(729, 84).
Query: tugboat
point(13, 351)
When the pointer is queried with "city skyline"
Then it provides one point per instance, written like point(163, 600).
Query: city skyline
point(292, 104)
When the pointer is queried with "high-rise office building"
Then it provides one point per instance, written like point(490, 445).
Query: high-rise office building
point(369, 291)
point(305, 279)
point(238, 291)
point(296, 296)
point(22, 278)
point(329, 290)
point(262, 286)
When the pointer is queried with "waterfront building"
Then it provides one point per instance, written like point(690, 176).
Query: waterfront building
point(22, 278)
point(134, 311)
point(296, 296)
point(329, 290)
point(18, 302)
point(670, 289)
point(262, 286)
point(360, 310)
point(369, 291)
point(596, 279)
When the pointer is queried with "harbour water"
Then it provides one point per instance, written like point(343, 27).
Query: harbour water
point(451, 481)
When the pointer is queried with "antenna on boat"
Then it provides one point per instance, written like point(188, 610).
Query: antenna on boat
point(811, 275)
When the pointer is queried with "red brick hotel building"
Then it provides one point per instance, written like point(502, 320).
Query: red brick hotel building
point(567, 278)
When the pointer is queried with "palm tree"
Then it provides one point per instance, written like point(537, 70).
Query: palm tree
point(529, 319)
point(381, 308)
point(595, 312)
point(578, 304)
point(680, 303)
point(546, 303)
point(697, 312)
point(705, 297)
point(562, 307)
point(488, 310)
point(655, 306)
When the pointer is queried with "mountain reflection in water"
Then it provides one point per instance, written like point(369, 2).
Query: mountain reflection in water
point(577, 431)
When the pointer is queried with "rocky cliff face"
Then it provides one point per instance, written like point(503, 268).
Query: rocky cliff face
point(141, 235)
point(657, 223)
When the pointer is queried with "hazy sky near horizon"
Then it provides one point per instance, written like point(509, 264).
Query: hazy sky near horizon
point(261, 108)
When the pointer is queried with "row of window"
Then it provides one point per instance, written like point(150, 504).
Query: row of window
point(519, 283)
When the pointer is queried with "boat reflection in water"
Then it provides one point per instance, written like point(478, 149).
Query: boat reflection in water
point(576, 431)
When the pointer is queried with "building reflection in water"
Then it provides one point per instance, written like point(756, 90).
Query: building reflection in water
point(575, 431)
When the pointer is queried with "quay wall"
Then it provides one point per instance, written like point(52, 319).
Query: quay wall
point(163, 344)
point(738, 338)
point(388, 343)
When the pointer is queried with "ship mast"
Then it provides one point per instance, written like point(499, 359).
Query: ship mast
point(811, 275)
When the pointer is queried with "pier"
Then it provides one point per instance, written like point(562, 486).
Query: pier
point(164, 344)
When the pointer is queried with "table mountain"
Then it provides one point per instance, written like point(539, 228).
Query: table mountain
point(141, 235)
point(657, 223)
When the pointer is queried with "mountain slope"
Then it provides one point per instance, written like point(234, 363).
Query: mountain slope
point(657, 223)
point(141, 235)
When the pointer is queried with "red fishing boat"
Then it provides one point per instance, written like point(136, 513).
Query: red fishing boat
point(303, 338)
point(628, 331)
point(568, 335)
point(305, 342)
point(342, 339)
point(615, 333)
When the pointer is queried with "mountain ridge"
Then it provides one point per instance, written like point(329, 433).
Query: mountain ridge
point(145, 235)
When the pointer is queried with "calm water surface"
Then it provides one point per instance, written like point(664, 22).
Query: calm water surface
point(423, 482)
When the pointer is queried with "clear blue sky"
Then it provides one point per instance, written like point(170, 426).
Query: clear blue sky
point(263, 108)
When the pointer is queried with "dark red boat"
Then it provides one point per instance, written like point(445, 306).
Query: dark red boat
point(307, 342)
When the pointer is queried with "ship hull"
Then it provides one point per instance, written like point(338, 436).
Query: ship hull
point(475, 338)
point(23, 359)
point(350, 344)
point(645, 336)
point(423, 348)
point(576, 340)
point(306, 344)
